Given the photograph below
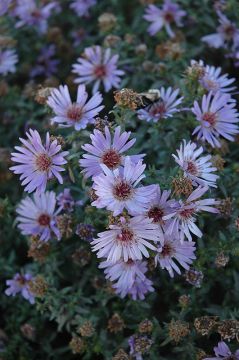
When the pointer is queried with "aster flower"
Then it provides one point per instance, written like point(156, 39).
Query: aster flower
point(98, 66)
point(184, 216)
point(160, 206)
point(222, 351)
point(30, 14)
point(195, 167)
point(4, 6)
point(213, 80)
point(172, 252)
point(20, 284)
point(8, 60)
point(106, 150)
point(77, 114)
point(129, 276)
point(45, 64)
point(65, 201)
point(37, 216)
point(117, 189)
point(81, 7)
point(165, 107)
point(128, 240)
point(227, 34)
point(217, 117)
point(38, 162)
point(164, 17)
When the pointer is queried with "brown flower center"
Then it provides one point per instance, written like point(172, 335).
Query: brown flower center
point(210, 117)
point(168, 16)
point(191, 168)
point(111, 158)
point(156, 214)
point(21, 280)
point(229, 31)
point(43, 162)
point(74, 113)
point(158, 109)
point(186, 213)
point(122, 190)
point(126, 235)
point(167, 250)
point(100, 71)
point(44, 220)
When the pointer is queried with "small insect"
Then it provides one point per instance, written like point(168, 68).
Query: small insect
point(149, 97)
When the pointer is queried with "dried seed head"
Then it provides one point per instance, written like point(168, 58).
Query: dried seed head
point(100, 123)
point(112, 41)
point(201, 355)
point(65, 225)
point(77, 345)
point(228, 329)
point(195, 71)
point(92, 195)
point(28, 331)
point(38, 286)
point(38, 249)
point(182, 186)
point(218, 162)
point(115, 323)
point(81, 257)
point(60, 140)
point(87, 329)
point(194, 277)
point(141, 49)
point(142, 344)
point(221, 260)
point(4, 88)
point(178, 330)
point(128, 99)
point(107, 21)
point(225, 207)
point(121, 355)
point(205, 324)
point(146, 326)
point(42, 94)
point(184, 301)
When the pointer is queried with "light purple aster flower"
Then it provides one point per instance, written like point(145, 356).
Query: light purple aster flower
point(172, 252)
point(8, 60)
point(37, 216)
point(81, 7)
point(4, 5)
point(196, 167)
point(117, 189)
point(129, 276)
point(160, 206)
point(227, 34)
point(184, 217)
point(222, 352)
point(77, 114)
point(108, 150)
point(165, 107)
point(45, 65)
point(65, 201)
point(38, 162)
point(128, 240)
point(20, 284)
point(98, 66)
point(217, 117)
point(30, 14)
point(213, 80)
point(164, 17)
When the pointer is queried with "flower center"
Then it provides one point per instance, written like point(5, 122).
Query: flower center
point(229, 31)
point(111, 158)
point(167, 250)
point(191, 168)
point(168, 16)
point(21, 280)
point(186, 213)
point(43, 162)
point(74, 113)
point(122, 190)
point(100, 71)
point(36, 13)
point(158, 109)
point(126, 235)
point(44, 220)
point(210, 117)
point(210, 84)
point(156, 214)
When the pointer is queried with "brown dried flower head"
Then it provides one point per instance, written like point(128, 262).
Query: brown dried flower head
point(121, 355)
point(42, 94)
point(225, 207)
point(87, 329)
point(115, 323)
point(228, 329)
point(218, 162)
point(184, 300)
point(177, 330)
point(28, 331)
point(182, 186)
point(81, 257)
point(107, 21)
point(77, 345)
point(65, 225)
point(221, 260)
point(205, 324)
point(111, 40)
point(128, 99)
point(38, 249)
point(142, 344)
point(146, 327)
point(38, 286)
